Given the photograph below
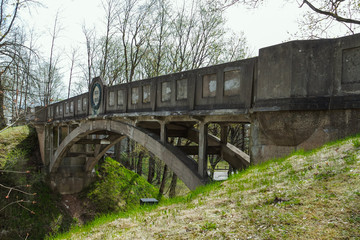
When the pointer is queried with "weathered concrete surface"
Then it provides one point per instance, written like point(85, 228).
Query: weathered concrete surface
point(276, 134)
point(70, 179)
point(176, 160)
point(40, 130)
point(299, 94)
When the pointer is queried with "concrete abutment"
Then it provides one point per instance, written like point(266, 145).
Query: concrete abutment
point(277, 134)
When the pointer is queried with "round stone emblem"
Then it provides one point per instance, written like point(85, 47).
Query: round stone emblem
point(96, 96)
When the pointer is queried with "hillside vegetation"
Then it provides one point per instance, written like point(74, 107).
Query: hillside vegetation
point(309, 195)
point(28, 208)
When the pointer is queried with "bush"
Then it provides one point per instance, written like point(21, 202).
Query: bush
point(117, 188)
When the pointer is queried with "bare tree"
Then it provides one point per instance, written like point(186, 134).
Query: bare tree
point(322, 18)
point(91, 50)
point(52, 60)
point(9, 10)
point(134, 29)
point(110, 8)
point(73, 58)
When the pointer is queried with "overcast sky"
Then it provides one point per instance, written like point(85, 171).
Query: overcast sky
point(264, 26)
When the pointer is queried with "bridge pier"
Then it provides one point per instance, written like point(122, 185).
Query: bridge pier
point(202, 160)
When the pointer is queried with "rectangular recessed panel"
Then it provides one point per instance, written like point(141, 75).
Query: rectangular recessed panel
point(66, 108)
point(181, 89)
point(111, 98)
point(232, 83)
point(146, 93)
point(120, 95)
point(84, 104)
point(134, 95)
point(165, 91)
point(351, 65)
point(209, 85)
point(79, 105)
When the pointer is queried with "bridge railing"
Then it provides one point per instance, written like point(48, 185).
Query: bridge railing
point(224, 86)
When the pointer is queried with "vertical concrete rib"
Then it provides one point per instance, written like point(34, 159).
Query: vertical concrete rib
point(202, 164)
point(163, 132)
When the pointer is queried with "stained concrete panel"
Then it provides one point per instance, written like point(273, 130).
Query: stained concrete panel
point(146, 93)
point(209, 85)
point(232, 83)
point(181, 89)
point(79, 105)
point(66, 108)
point(165, 91)
point(84, 104)
point(134, 95)
point(120, 97)
point(350, 65)
point(111, 98)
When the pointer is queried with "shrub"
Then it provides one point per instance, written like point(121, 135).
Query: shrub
point(117, 188)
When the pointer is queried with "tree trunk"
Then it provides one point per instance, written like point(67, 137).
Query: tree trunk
point(2, 116)
point(151, 172)
point(158, 172)
point(172, 192)
point(117, 152)
point(163, 180)
point(139, 164)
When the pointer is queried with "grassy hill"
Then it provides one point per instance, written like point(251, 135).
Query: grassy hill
point(309, 195)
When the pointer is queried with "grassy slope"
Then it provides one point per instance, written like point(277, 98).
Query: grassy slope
point(42, 214)
point(313, 195)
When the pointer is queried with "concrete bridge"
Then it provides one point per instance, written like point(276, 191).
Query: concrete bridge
point(295, 95)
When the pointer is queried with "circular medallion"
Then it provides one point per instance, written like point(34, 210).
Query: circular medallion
point(96, 96)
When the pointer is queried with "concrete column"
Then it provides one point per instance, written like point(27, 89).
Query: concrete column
point(41, 132)
point(59, 137)
point(51, 147)
point(224, 133)
point(163, 132)
point(202, 164)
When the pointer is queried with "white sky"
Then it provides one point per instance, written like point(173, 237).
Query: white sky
point(264, 26)
point(268, 25)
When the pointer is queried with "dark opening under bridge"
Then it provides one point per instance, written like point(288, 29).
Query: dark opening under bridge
point(299, 94)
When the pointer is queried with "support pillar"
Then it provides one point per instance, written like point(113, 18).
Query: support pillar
point(163, 132)
point(202, 164)
point(224, 134)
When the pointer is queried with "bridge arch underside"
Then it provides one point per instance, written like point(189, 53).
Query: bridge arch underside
point(152, 138)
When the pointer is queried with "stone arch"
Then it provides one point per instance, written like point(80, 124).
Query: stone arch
point(183, 166)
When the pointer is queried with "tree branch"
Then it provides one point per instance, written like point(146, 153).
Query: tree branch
point(330, 14)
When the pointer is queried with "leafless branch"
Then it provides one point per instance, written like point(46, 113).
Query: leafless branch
point(331, 14)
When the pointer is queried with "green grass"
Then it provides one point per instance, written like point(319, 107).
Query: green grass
point(308, 195)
